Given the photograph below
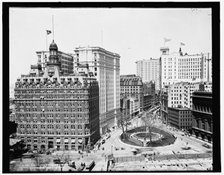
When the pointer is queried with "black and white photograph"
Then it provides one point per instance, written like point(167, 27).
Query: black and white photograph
point(98, 87)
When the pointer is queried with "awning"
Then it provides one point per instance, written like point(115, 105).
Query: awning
point(73, 141)
point(66, 140)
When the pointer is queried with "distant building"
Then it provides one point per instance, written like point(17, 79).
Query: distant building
point(66, 61)
point(202, 115)
point(149, 88)
point(149, 70)
point(164, 106)
point(58, 111)
point(125, 109)
point(157, 98)
point(181, 118)
point(179, 94)
point(149, 94)
point(148, 101)
point(134, 106)
point(105, 66)
point(177, 67)
point(132, 86)
point(205, 86)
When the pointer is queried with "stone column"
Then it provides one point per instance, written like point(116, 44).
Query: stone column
point(206, 124)
point(194, 123)
point(211, 126)
point(200, 123)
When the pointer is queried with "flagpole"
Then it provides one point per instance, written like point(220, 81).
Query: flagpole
point(102, 38)
point(46, 41)
point(53, 25)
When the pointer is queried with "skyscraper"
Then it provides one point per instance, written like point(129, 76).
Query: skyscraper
point(179, 67)
point(105, 66)
point(149, 70)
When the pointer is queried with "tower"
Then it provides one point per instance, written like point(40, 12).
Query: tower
point(53, 65)
point(164, 50)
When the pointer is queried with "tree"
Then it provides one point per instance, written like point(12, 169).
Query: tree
point(62, 159)
point(124, 120)
point(41, 161)
point(148, 121)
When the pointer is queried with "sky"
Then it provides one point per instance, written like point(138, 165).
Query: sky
point(134, 34)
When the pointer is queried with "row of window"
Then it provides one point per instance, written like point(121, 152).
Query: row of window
point(50, 126)
point(53, 132)
point(46, 109)
point(86, 121)
point(52, 96)
point(202, 108)
point(52, 90)
point(54, 115)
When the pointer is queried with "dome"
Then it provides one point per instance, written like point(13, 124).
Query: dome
point(53, 46)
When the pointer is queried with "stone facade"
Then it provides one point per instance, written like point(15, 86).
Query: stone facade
point(132, 86)
point(181, 118)
point(182, 67)
point(164, 106)
point(149, 70)
point(202, 115)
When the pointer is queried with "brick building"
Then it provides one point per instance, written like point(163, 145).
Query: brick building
point(57, 111)
point(181, 118)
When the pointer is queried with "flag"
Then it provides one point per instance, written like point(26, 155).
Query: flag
point(166, 40)
point(182, 44)
point(48, 32)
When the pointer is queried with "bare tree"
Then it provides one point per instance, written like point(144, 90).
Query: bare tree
point(62, 159)
point(148, 121)
point(41, 161)
point(124, 121)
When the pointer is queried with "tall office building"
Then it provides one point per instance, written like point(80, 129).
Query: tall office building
point(149, 70)
point(177, 67)
point(57, 111)
point(105, 66)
